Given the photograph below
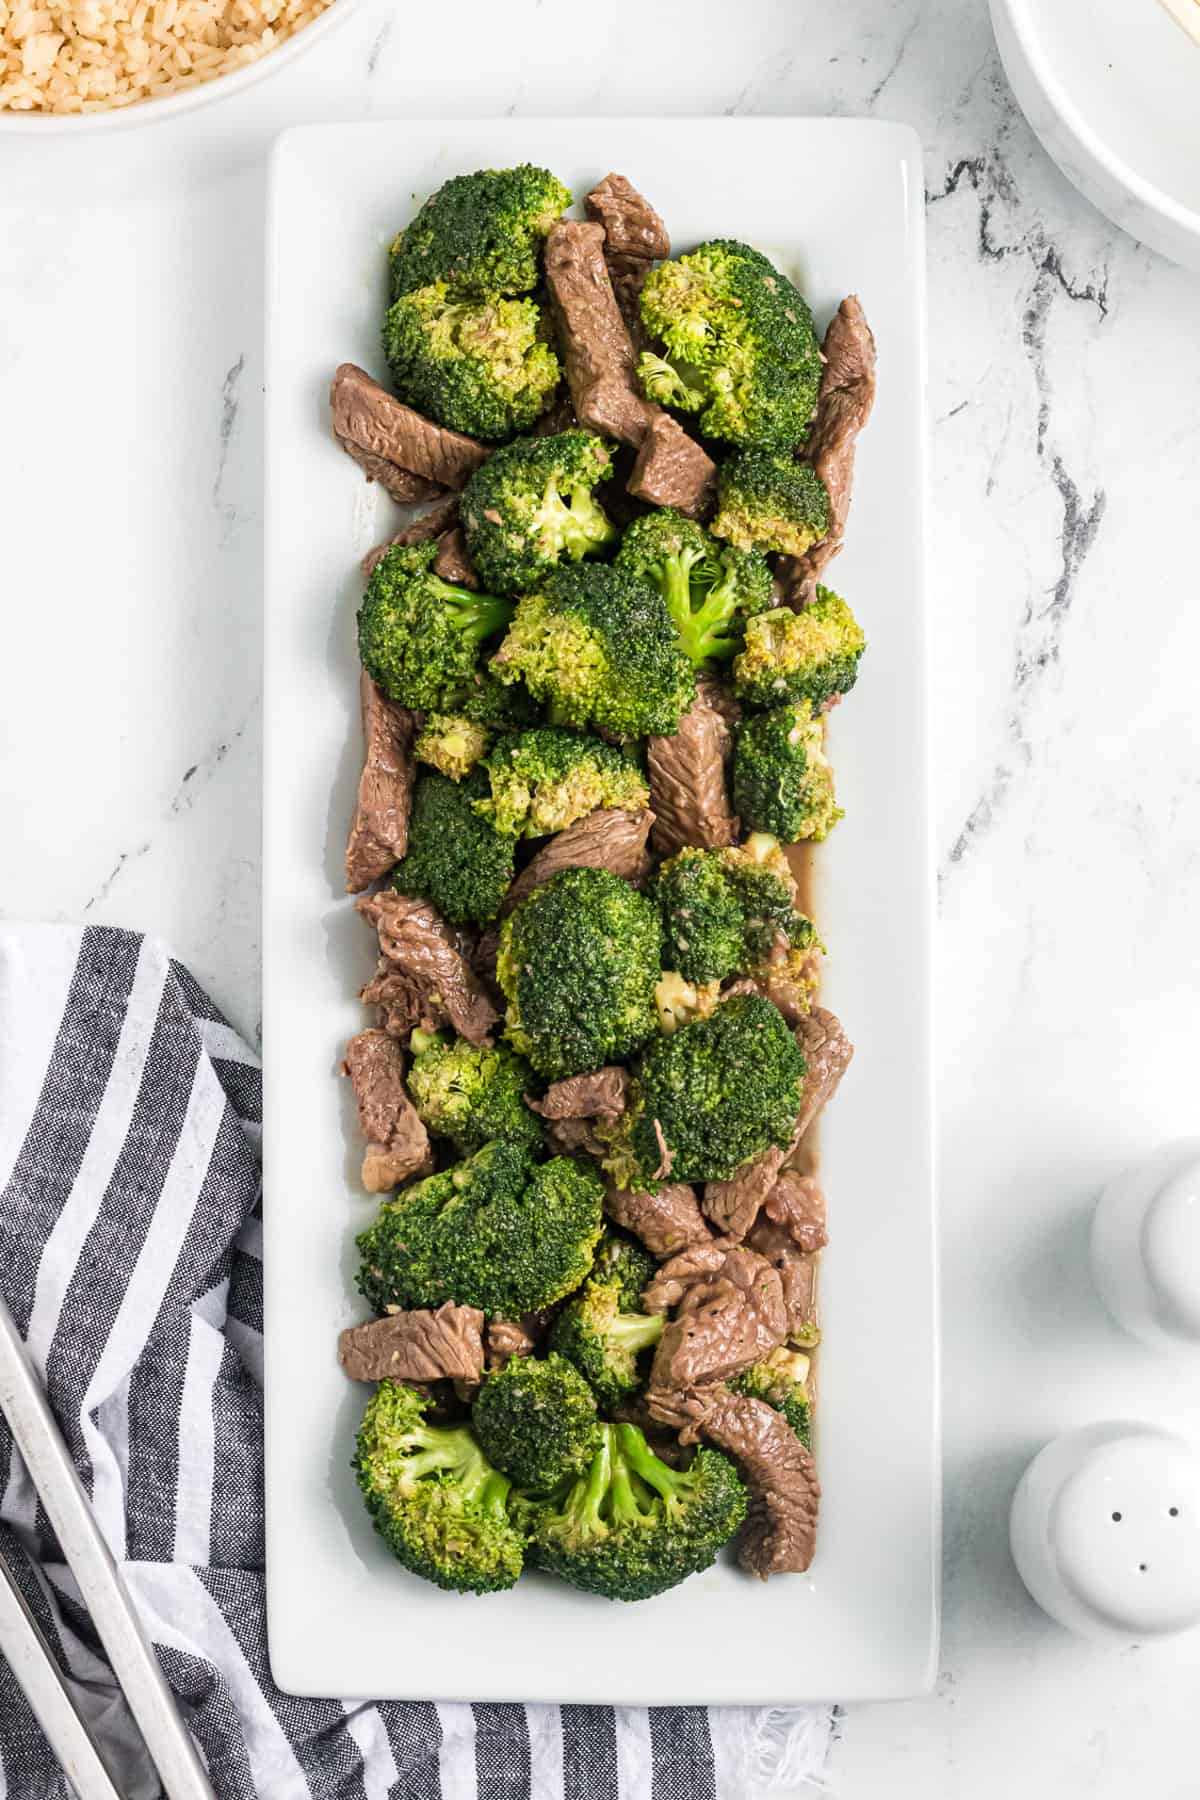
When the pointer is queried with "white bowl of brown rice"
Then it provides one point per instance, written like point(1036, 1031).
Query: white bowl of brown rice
point(78, 65)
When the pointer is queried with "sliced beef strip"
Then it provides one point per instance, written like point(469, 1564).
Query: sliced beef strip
point(666, 1222)
point(631, 225)
point(688, 789)
point(452, 562)
point(628, 276)
point(600, 1095)
point(367, 415)
point(402, 1002)
point(435, 978)
point(401, 485)
point(614, 838)
point(797, 1203)
point(596, 347)
point(578, 1109)
point(416, 1346)
point(441, 517)
point(673, 470)
point(397, 1142)
point(843, 408)
point(827, 1051)
point(506, 1338)
point(797, 1271)
point(780, 1533)
point(734, 1205)
point(634, 237)
point(729, 1313)
point(379, 829)
point(575, 1137)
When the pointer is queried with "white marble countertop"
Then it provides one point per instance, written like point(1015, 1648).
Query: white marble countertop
point(1065, 370)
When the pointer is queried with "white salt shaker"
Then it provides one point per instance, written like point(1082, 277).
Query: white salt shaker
point(1145, 1249)
point(1105, 1531)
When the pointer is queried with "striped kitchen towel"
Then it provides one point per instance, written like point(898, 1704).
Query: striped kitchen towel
point(130, 1255)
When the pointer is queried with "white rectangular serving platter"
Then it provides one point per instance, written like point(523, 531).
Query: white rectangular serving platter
point(840, 205)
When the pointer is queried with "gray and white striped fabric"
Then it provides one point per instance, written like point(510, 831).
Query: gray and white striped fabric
point(130, 1255)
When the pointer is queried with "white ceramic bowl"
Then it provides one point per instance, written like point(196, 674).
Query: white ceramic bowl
point(153, 112)
point(1113, 92)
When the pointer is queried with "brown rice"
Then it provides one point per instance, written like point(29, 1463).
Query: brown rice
point(83, 56)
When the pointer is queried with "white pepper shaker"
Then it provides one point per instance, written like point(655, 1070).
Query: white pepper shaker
point(1105, 1531)
point(1145, 1249)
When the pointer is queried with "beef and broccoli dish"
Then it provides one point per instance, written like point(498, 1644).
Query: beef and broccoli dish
point(598, 662)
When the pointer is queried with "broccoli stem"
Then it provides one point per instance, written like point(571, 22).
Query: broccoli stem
point(588, 1497)
point(635, 1331)
point(701, 628)
point(453, 1451)
point(625, 1505)
point(586, 524)
point(492, 1493)
point(677, 590)
point(636, 1453)
point(667, 385)
point(708, 640)
point(479, 616)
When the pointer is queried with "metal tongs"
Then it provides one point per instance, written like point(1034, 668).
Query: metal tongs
point(129, 1652)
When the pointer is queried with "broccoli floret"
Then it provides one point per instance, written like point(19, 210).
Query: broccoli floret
point(578, 961)
point(498, 705)
point(781, 1379)
point(545, 779)
point(811, 655)
point(702, 917)
point(741, 350)
point(498, 1231)
point(771, 501)
point(536, 1419)
point(435, 1499)
point(473, 1094)
point(710, 589)
point(622, 1259)
point(530, 506)
point(725, 914)
point(716, 1092)
point(781, 780)
point(482, 233)
point(632, 1526)
point(452, 744)
point(480, 366)
point(598, 646)
point(455, 858)
point(603, 1332)
point(420, 637)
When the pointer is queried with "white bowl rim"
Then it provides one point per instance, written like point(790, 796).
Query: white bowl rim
point(1126, 177)
point(169, 106)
